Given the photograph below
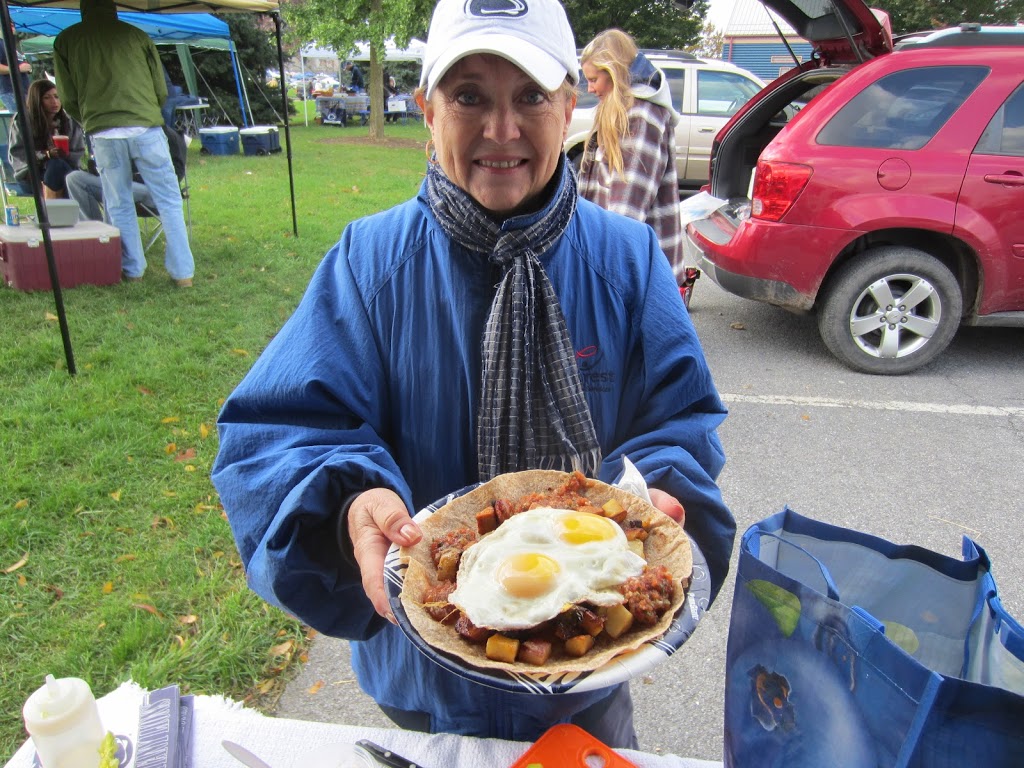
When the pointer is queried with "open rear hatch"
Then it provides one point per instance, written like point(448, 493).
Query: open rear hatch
point(844, 33)
point(841, 31)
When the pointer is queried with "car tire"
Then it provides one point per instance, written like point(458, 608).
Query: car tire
point(871, 334)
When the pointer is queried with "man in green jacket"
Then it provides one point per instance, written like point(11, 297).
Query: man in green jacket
point(111, 81)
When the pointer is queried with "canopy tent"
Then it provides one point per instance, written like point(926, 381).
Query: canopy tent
point(147, 6)
point(180, 29)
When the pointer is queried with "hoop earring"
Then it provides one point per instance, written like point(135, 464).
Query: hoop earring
point(429, 150)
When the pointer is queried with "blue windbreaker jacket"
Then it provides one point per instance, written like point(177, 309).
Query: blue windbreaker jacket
point(374, 381)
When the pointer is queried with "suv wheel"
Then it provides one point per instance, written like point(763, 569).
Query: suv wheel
point(889, 311)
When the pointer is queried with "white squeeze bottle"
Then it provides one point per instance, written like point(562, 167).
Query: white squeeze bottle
point(64, 722)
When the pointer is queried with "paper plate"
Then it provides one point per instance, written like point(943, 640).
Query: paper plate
point(618, 670)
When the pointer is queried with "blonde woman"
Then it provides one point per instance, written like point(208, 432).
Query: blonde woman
point(629, 164)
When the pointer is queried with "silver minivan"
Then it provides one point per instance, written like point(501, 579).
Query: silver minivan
point(705, 92)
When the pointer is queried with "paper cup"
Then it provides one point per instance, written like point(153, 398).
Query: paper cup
point(61, 142)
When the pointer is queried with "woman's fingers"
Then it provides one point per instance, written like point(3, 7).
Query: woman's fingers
point(668, 504)
point(377, 518)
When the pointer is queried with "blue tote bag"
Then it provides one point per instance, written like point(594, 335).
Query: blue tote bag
point(848, 650)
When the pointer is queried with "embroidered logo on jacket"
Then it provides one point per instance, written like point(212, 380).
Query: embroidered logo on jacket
point(594, 375)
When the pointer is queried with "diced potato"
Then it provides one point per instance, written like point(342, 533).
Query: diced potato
point(534, 651)
point(637, 546)
point(579, 645)
point(636, 534)
point(591, 623)
point(448, 565)
point(501, 648)
point(486, 520)
point(613, 509)
point(618, 620)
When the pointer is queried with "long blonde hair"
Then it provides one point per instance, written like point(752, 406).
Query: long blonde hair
point(613, 52)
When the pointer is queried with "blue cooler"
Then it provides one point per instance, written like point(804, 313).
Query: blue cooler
point(260, 140)
point(220, 140)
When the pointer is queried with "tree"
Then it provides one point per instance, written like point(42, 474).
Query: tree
point(711, 42)
point(920, 15)
point(652, 23)
point(340, 24)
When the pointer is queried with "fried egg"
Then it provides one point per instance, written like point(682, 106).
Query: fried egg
point(537, 563)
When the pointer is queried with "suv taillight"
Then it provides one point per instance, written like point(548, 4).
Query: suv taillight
point(776, 188)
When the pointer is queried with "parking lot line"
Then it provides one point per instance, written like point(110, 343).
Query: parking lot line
point(959, 409)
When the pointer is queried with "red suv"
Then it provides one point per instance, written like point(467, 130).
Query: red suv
point(891, 204)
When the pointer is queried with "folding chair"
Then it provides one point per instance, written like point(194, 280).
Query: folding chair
point(149, 219)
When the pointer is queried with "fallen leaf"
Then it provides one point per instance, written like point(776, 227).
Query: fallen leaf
point(190, 468)
point(170, 448)
point(282, 649)
point(265, 686)
point(124, 558)
point(148, 609)
point(806, 417)
point(315, 687)
point(21, 503)
point(190, 619)
point(50, 316)
point(161, 522)
point(180, 640)
point(204, 431)
point(144, 391)
point(108, 587)
point(188, 453)
point(116, 495)
point(22, 581)
point(57, 592)
point(240, 352)
point(169, 494)
point(169, 419)
point(17, 565)
point(738, 326)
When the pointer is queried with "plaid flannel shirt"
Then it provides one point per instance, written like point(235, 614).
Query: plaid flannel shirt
point(648, 189)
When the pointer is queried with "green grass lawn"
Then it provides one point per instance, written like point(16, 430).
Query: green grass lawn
point(116, 560)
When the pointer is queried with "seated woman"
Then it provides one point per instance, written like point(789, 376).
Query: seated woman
point(46, 119)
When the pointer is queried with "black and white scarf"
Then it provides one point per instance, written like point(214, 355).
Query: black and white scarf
point(533, 414)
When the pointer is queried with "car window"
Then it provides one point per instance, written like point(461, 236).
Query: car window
point(721, 94)
point(676, 86)
point(1005, 132)
point(903, 110)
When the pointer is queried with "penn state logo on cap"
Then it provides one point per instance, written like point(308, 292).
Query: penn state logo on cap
point(487, 9)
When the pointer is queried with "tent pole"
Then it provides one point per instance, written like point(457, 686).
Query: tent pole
point(10, 44)
point(284, 104)
point(238, 84)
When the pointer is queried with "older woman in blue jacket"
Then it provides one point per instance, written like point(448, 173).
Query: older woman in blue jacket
point(496, 322)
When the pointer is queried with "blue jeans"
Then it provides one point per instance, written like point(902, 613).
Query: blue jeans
point(10, 104)
point(149, 152)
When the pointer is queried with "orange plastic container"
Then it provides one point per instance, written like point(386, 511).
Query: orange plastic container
point(569, 746)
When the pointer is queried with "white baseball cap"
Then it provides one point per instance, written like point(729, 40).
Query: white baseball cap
point(533, 34)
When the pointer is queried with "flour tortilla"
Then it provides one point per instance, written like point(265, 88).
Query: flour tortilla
point(666, 544)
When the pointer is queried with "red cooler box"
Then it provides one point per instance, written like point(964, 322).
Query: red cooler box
point(88, 253)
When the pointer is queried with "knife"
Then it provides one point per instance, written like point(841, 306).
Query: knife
point(243, 755)
point(385, 756)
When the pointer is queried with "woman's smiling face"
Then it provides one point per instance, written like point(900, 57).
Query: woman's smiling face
point(497, 133)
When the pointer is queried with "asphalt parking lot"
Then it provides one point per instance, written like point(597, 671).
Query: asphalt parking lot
point(924, 459)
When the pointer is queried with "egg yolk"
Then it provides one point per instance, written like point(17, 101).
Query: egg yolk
point(583, 527)
point(528, 574)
